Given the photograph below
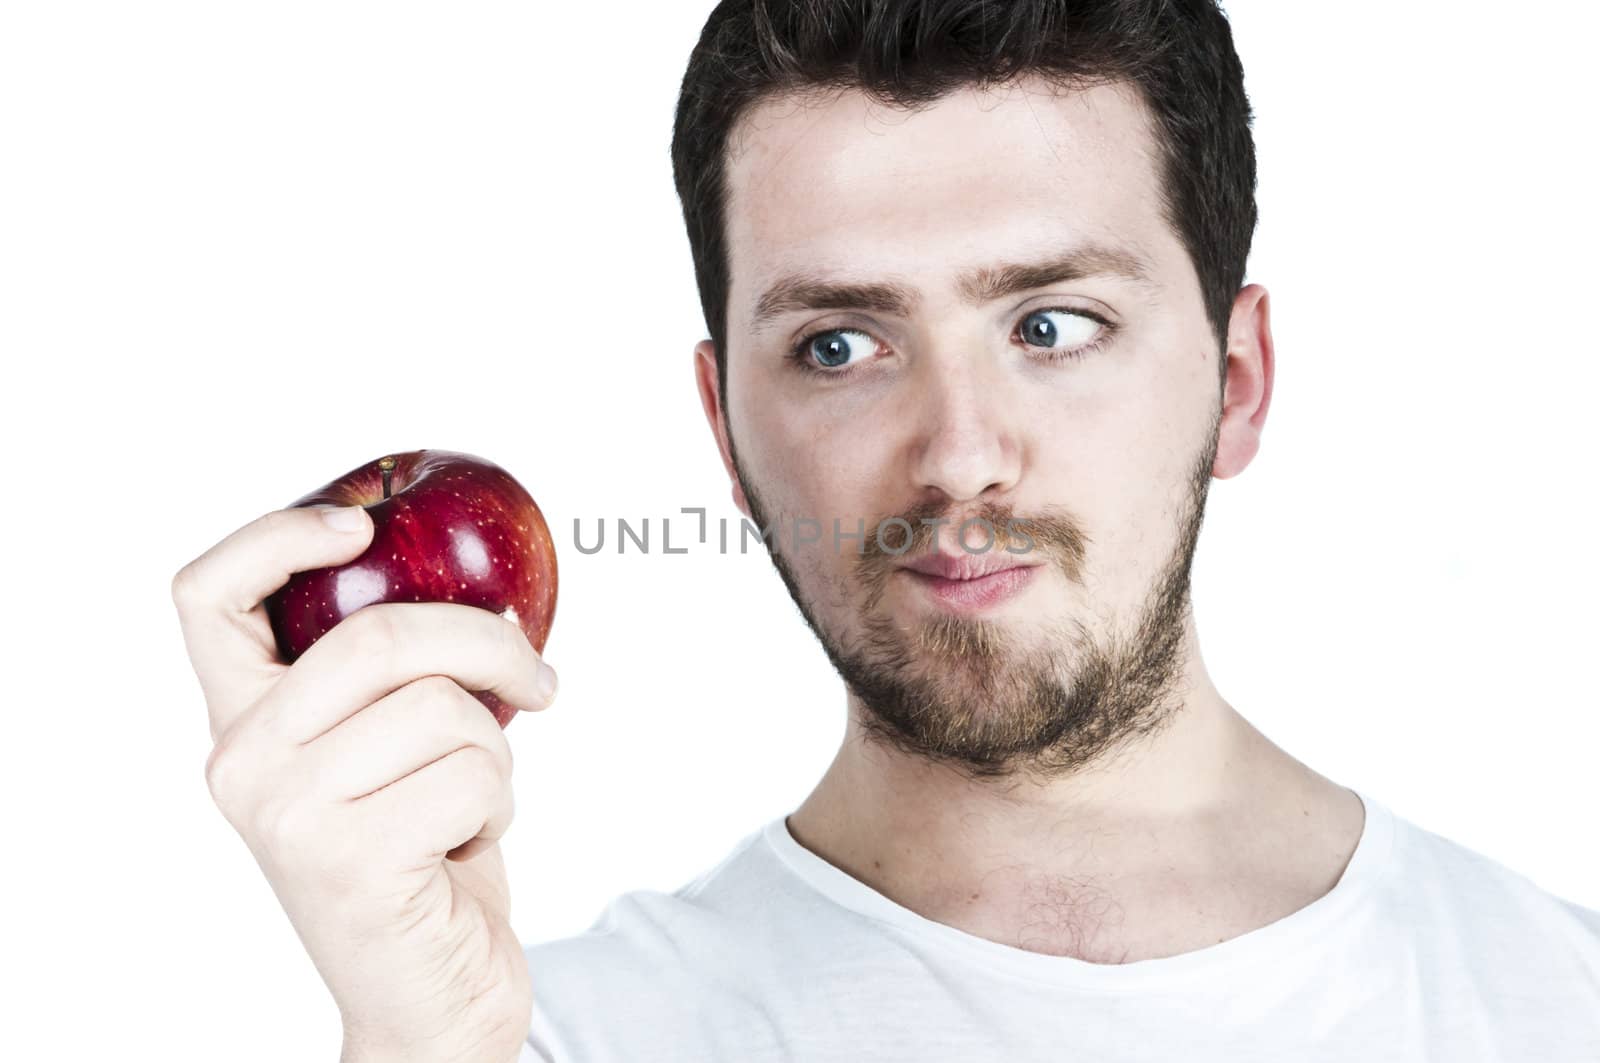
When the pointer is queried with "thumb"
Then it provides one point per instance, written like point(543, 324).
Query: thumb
point(260, 557)
point(219, 594)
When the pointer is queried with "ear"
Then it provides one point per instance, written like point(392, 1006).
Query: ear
point(1249, 383)
point(705, 375)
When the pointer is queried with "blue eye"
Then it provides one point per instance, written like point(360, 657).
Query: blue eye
point(1045, 328)
point(834, 348)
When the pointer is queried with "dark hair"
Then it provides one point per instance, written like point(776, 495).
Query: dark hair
point(1177, 54)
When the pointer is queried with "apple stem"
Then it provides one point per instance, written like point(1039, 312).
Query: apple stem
point(387, 466)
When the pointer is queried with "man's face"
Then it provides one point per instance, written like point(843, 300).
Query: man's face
point(1084, 407)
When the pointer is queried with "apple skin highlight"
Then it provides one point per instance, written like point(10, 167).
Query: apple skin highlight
point(451, 527)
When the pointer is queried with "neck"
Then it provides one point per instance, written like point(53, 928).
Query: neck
point(1206, 798)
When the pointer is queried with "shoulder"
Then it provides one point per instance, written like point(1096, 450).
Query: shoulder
point(642, 929)
point(656, 966)
point(1441, 881)
point(1587, 918)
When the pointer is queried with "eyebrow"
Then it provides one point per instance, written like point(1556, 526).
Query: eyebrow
point(811, 291)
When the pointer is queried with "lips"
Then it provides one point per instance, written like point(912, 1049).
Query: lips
point(965, 566)
point(976, 584)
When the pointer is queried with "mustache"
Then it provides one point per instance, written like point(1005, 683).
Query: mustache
point(1054, 532)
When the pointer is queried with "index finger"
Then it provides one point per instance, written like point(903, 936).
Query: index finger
point(381, 647)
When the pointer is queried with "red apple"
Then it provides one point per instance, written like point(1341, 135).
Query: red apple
point(447, 527)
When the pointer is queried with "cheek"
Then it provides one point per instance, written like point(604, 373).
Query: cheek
point(823, 462)
point(1112, 461)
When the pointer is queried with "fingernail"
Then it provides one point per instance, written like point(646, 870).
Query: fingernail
point(547, 681)
point(345, 518)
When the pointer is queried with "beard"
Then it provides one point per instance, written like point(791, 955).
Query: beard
point(966, 692)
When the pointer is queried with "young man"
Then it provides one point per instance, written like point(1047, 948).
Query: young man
point(973, 274)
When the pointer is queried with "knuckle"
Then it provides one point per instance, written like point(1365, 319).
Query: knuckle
point(508, 761)
point(475, 721)
point(222, 774)
point(496, 750)
point(486, 772)
point(232, 775)
point(523, 663)
point(317, 845)
point(280, 522)
point(371, 632)
point(500, 748)
point(496, 770)
point(458, 713)
point(185, 588)
point(439, 691)
point(421, 704)
point(512, 641)
point(287, 829)
point(457, 703)
point(517, 653)
point(477, 765)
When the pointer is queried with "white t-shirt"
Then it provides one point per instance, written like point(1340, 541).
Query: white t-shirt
point(1423, 951)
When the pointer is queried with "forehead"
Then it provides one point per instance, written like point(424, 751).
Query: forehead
point(840, 183)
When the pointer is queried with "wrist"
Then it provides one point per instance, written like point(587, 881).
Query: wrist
point(359, 1048)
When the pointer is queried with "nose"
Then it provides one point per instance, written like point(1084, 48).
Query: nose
point(965, 444)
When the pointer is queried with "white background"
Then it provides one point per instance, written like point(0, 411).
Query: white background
point(244, 247)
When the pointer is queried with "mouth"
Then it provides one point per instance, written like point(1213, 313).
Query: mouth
point(969, 584)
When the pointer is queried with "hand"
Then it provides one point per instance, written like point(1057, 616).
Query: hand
point(371, 787)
